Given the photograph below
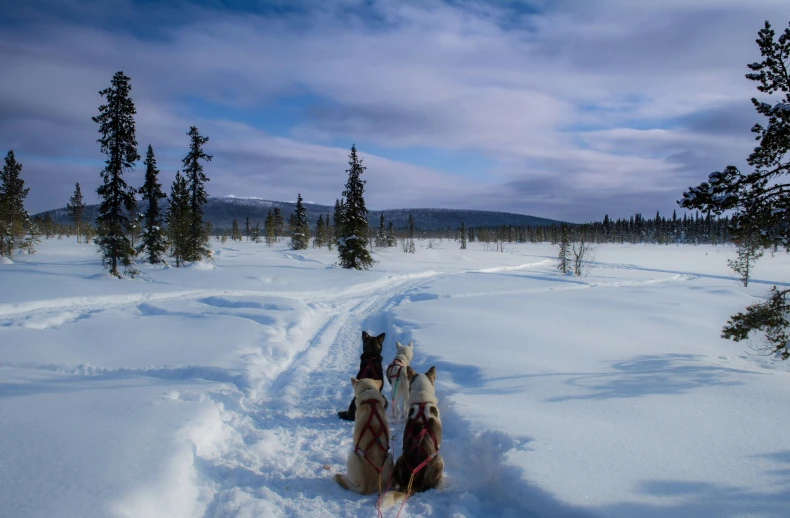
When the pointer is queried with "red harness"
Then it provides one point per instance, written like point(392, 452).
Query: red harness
point(376, 436)
point(416, 439)
point(396, 363)
point(370, 370)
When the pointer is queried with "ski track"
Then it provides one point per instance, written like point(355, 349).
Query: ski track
point(238, 457)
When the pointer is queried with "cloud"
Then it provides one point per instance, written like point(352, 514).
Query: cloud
point(586, 107)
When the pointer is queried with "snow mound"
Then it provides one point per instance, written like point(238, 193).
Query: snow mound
point(202, 265)
point(6, 260)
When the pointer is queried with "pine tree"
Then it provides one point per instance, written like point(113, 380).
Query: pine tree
point(247, 228)
point(153, 242)
point(463, 236)
point(391, 240)
point(381, 237)
point(268, 228)
point(179, 220)
point(235, 232)
point(119, 143)
point(337, 220)
point(353, 236)
point(14, 219)
point(411, 249)
point(300, 229)
point(279, 223)
point(749, 251)
point(318, 242)
point(196, 179)
point(256, 232)
point(328, 233)
point(564, 263)
point(76, 208)
point(760, 200)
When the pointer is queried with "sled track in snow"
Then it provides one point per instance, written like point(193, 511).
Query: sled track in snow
point(295, 418)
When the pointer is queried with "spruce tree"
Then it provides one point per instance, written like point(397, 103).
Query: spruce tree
point(179, 220)
point(256, 232)
point(119, 143)
point(351, 246)
point(749, 251)
point(760, 200)
point(279, 223)
point(328, 233)
point(337, 221)
point(391, 240)
point(247, 228)
point(196, 180)
point(318, 242)
point(76, 208)
point(381, 237)
point(300, 229)
point(268, 228)
point(153, 241)
point(235, 232)
point(14, 219)
point(463, 236)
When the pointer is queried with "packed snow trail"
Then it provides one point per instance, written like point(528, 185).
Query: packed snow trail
point(271, 454)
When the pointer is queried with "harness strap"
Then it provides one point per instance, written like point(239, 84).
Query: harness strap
point(369, 371)
point(417, 440)
point(375, 436)
point(391, 374)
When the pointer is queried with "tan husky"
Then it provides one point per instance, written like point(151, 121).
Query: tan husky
point(398, 377)
point(420, 466)
point(370, 463)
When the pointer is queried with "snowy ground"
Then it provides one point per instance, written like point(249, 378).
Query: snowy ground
point(211, 390)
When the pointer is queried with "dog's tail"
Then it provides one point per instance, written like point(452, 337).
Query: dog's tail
point(391, 498)
point(340, 479)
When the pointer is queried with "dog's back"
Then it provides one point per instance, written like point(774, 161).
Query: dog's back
point(422, 437)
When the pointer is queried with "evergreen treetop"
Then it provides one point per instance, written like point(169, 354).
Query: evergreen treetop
point(153, 241)
point(118, 141)
point(196, 180)
point(354, 229)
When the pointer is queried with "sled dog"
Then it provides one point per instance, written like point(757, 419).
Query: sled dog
point(369, 367)
point(370, 463)
point(420, 466)
point(398, 378)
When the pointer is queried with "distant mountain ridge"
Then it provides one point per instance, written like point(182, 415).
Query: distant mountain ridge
point(221, 211)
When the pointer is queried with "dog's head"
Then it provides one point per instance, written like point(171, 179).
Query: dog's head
point(364, 385)
point(422, 383)
point(404, 350)
point(372, 344)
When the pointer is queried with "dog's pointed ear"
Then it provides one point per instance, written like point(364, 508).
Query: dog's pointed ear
point(365, 335)
point(410, 344)
point(431, 374)
point(354, 382)
point(410, 373)
point(398, 344)
point(380, 337)
point(378, 383)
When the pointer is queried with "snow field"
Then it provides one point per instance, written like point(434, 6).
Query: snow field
point(212, 390)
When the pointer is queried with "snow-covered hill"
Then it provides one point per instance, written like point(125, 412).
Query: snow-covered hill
point(211, 390)
point(223, 210)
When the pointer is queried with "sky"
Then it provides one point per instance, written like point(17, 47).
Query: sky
point(567, 109)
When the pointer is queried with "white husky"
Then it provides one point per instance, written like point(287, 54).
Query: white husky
point(398, 378)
